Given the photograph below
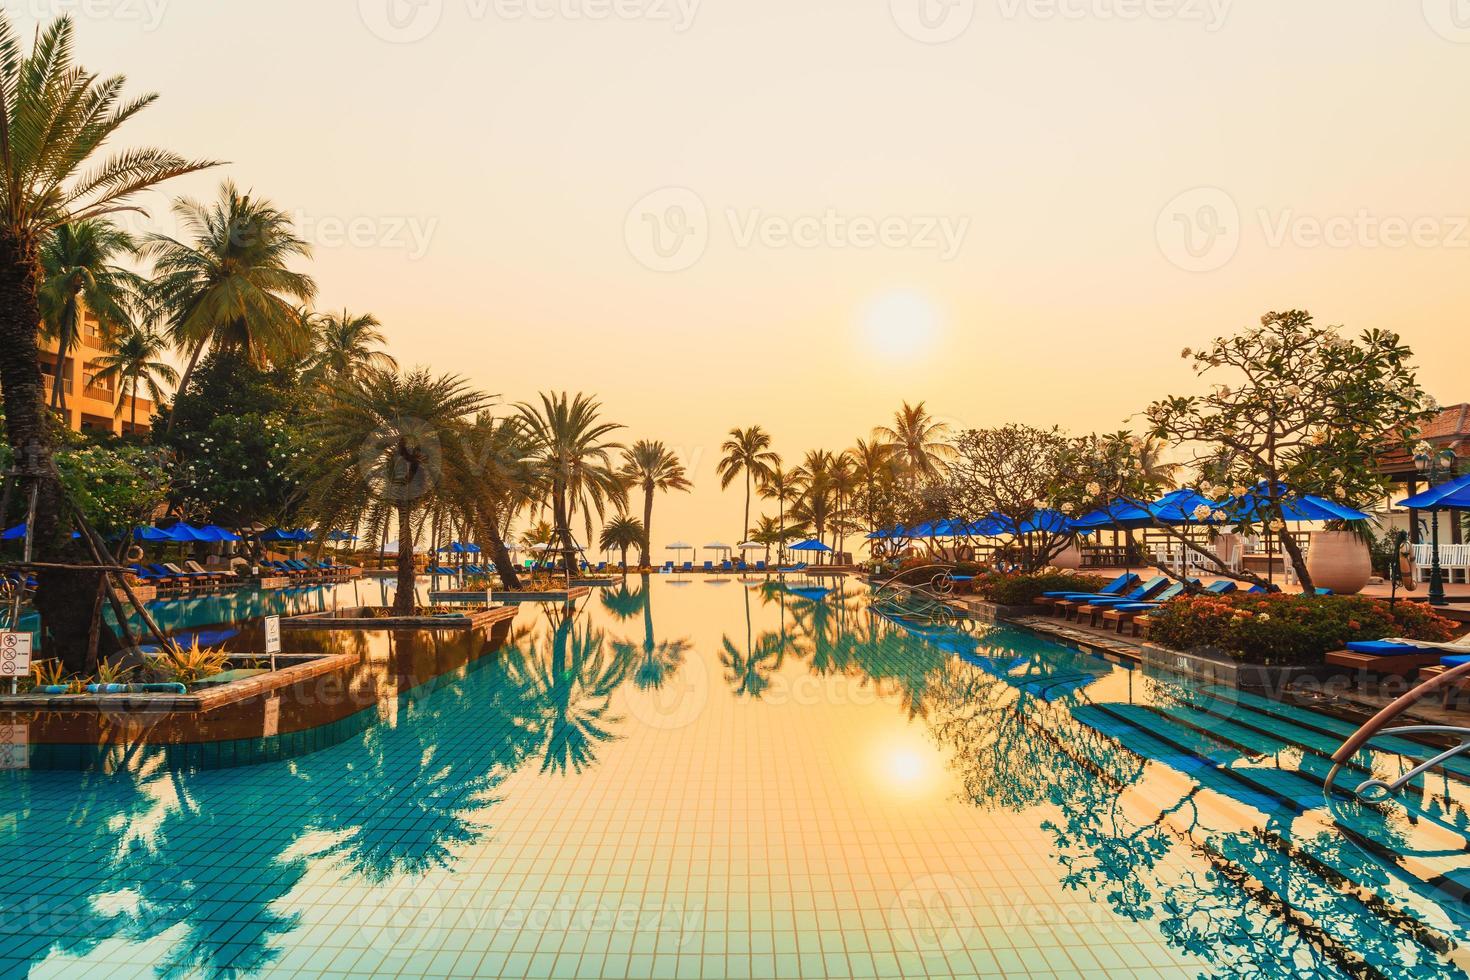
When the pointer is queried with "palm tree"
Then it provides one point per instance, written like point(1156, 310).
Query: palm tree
point(136, 362)
point(652, 466)
point(384, 438)
point(54, 119)
point(228, 285)
point(783, 487)
point(537, 534)
point(1158, 474)
point(571, 455)
point(622, 532)
point(918, 441)
point(748, 452)
point(492, 483)
point(346, 345)
point(78, 270)
point(872, 465)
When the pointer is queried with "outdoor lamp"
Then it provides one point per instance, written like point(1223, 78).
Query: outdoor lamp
point(1432, 464)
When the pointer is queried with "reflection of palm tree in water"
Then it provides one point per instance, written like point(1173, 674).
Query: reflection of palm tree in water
point(748, 671)
point(569, 694)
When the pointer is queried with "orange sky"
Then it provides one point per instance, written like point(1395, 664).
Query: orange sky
point(798, 214)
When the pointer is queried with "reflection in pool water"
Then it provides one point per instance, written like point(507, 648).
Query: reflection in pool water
point(758, 782)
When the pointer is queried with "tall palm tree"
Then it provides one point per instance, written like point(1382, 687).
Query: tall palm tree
point(652, 466)
point(384, 438)
point(815, 505)
point(135, 362)
point(78, 270)
point(54, 119)
point(1157, 473)
point(346, 345)
point(622, 532)
point(228, 285)
point(571, 454)
point(872, 465)
point(748, 453)
point(492, 483)
point(918, 441)
point(782, 486)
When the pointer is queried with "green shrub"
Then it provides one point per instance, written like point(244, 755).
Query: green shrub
point(1290, 629)
point(1022, 589)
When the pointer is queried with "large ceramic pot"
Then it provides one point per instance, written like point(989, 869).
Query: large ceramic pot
point(1071, 559)
point(1339, 560)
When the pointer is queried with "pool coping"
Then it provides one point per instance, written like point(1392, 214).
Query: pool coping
point(191, 703)
point(470, 619)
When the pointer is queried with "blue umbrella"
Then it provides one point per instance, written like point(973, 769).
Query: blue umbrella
point(14, 533)
point(1294, 507)
point(213, 532)
point(460, 548)
point(341, 536)
point(1454, 495)
point(812, 545)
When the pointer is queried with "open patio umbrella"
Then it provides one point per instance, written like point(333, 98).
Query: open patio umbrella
point(460, 548)
point(1454, 495)
point(812, 545)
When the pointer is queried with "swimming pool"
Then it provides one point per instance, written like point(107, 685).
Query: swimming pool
point(710, 777)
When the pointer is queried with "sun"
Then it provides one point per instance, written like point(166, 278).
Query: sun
point(900, 325)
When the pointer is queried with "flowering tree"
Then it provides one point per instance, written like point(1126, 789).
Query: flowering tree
point(1299, 409)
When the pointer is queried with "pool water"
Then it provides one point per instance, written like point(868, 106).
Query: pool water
point(710, 777)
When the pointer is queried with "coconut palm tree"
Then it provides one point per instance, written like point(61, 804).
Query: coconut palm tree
point(135, 362)
point(748, 453)
point(384, 438)
point(1158, 474)
point(652, 466)
point(346, 345)
point(491, 483)
point(623, 532)
point(784, 487)
point(78, 271)
point(872, 467)
point(919, 442)
point(572, 458)
point(54, 119)
point(228, 284)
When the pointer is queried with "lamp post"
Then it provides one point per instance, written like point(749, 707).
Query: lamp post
point(1432, 464)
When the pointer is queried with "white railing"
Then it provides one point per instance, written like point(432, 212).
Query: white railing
point(1454, 560)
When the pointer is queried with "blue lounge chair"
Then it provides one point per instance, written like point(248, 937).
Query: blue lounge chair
point(1117, 586)
point(760, 566)
point(709, 566)
point(688, 566)
point(1066, 605)
point(725, 566)
point(1385, 657)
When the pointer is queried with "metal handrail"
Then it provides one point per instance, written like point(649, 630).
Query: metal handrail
point(1372, 790)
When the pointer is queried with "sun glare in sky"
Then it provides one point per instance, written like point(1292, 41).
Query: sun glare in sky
point(901, 325)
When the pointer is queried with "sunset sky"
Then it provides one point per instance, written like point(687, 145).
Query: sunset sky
point(799, 213)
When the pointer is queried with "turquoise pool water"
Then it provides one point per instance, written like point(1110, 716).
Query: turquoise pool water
point(711, 778)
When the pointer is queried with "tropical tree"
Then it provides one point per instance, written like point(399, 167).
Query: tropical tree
point(346, 345)
point(384, 439)
point(748, 453)
point(652, 466)
point(572, 459)
point(78, 271)
point(228, 284)
point(623, 532)
point(492, 483)
point(919, 442)
point(872, 468)
point(1158, 473)
point(54, 118)
point(782, 486)
point(136, 362)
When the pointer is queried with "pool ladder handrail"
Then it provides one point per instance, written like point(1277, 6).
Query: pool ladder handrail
point(933, 591)
point(1376, 726)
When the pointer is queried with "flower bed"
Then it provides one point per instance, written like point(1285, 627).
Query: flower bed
point(1022, 589)
point(1290, 629)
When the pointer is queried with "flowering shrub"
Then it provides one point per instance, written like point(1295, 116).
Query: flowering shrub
point(1022, 589)
point(1290, 629)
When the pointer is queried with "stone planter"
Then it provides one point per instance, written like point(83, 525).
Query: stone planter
point(1070, 559)
point(1339, 560)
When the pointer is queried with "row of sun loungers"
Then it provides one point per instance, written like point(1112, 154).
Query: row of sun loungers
point(1125, 601)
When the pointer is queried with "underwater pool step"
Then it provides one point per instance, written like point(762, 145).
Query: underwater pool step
point(1331, 727)
point(1440, 847)
point(1275, 856)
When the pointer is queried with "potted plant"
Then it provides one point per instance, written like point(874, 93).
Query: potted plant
point(1341, 558)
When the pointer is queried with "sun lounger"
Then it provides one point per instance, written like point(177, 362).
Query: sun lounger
point(1396, 657)
point(760, 566)
point(688, 566)
point(1068, 606)
point(1116, 587)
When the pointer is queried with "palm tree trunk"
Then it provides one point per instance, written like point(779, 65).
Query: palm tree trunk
point(501, 554)
point(643, 562)
point(746, 528)
point(404, 601)
point(183, 385)
point(133, 399)
point(67, 601)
